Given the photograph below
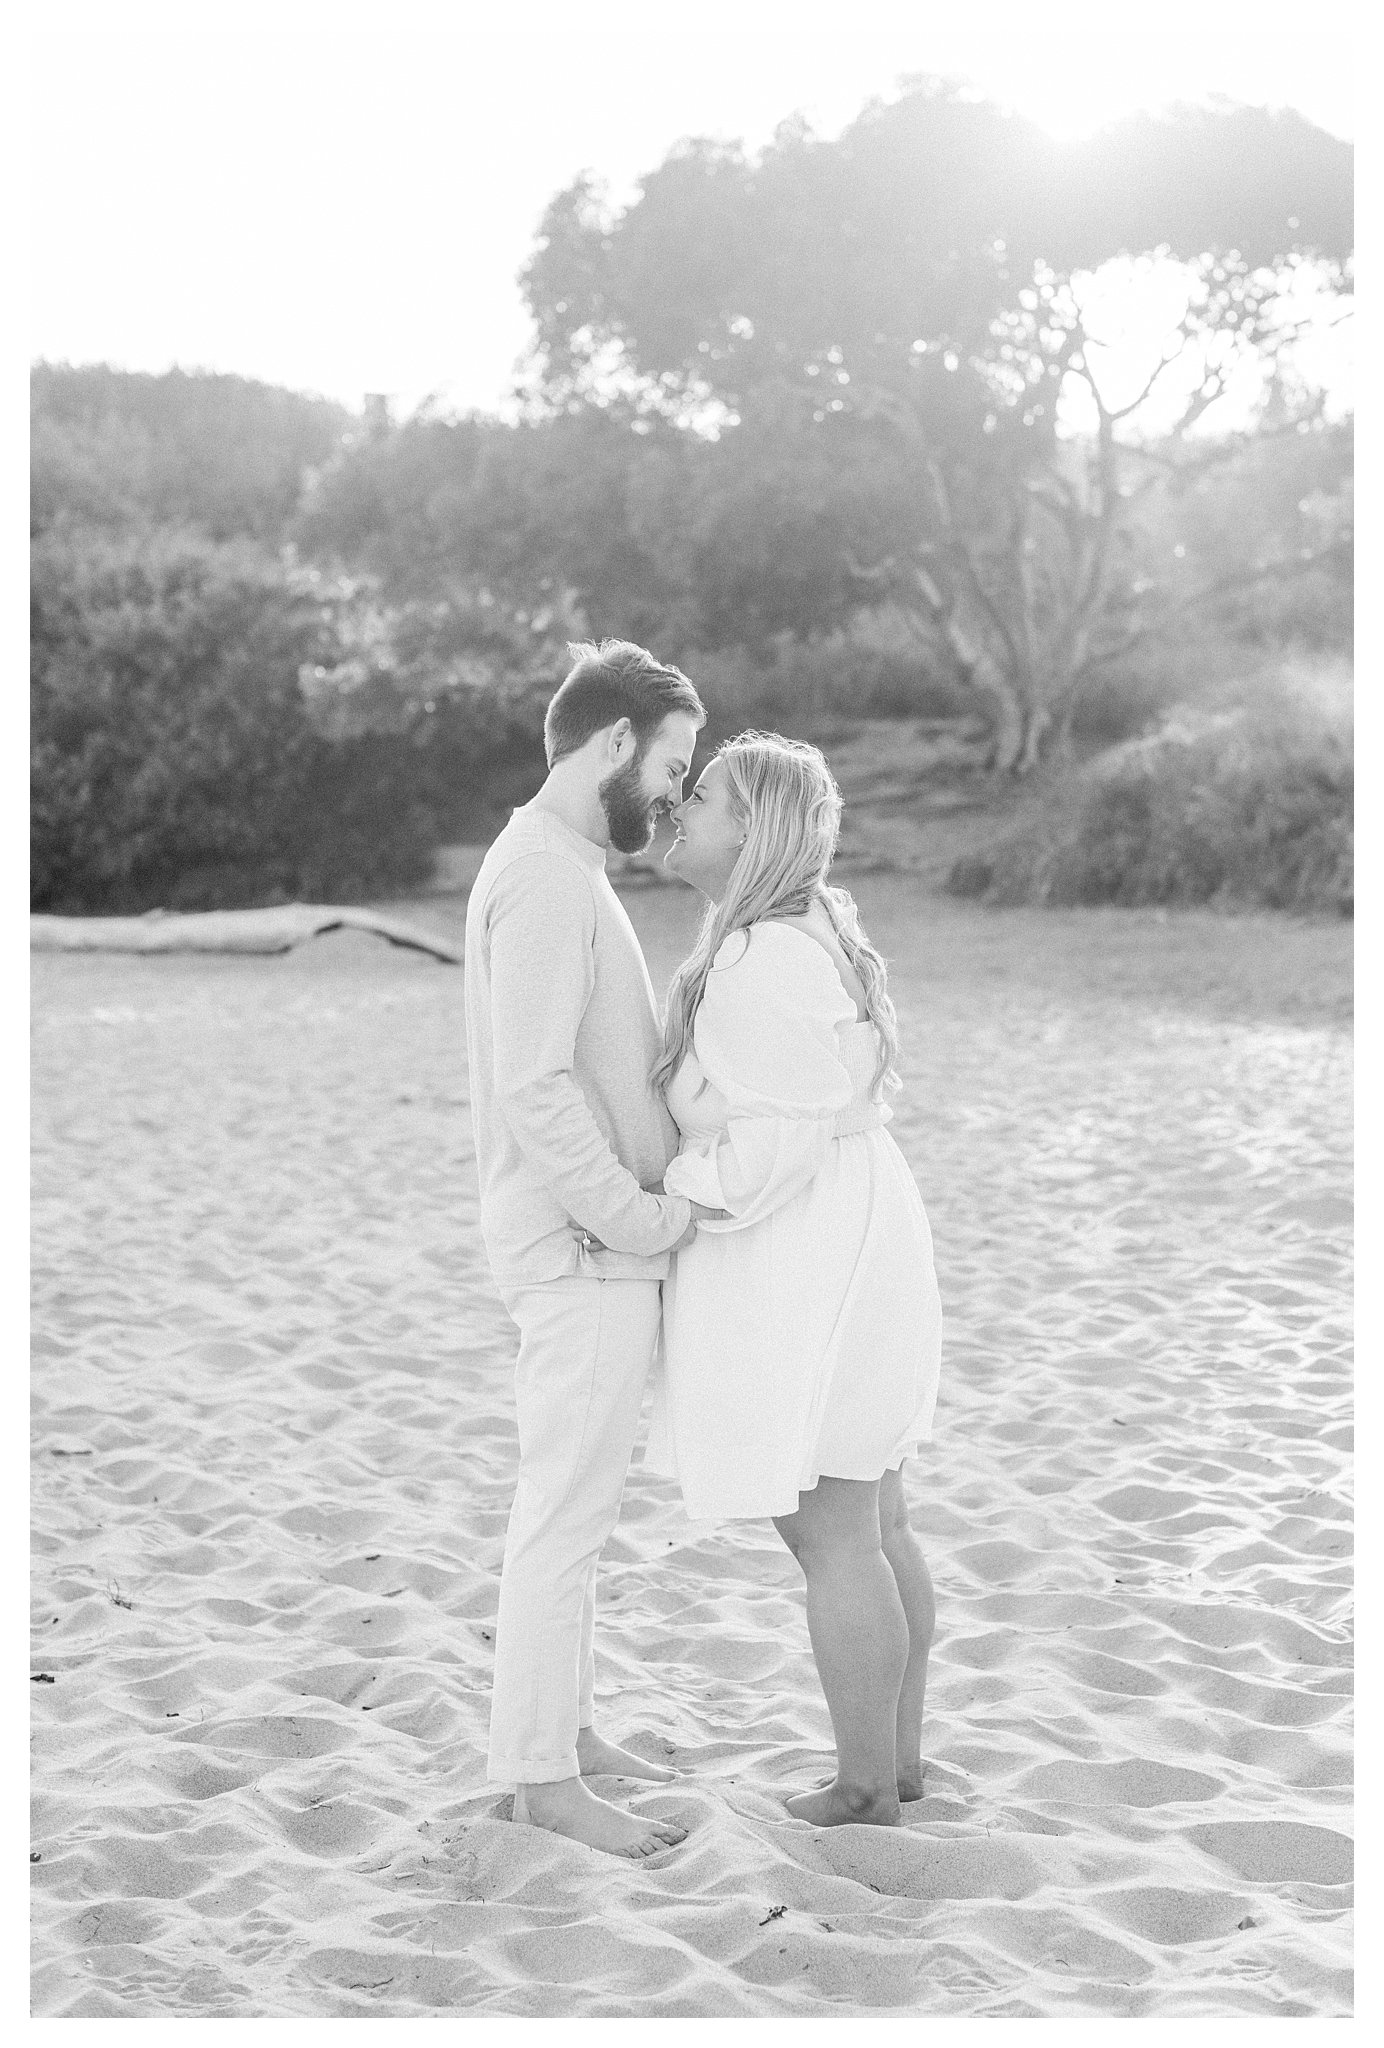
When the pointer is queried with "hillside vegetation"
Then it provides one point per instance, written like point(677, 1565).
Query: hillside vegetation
point(825, 427)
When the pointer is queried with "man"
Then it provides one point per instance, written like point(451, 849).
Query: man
point(571, 1144)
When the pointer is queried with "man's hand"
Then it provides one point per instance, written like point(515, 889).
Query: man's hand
point(700, 1214)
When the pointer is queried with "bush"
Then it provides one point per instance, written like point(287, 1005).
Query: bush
point(119, 448)
point(1251, 805)
point(173, 758)
point(463, 678)
point(806, 686)
point(1149, 684)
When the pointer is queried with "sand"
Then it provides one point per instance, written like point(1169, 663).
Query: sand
point(274, 1451)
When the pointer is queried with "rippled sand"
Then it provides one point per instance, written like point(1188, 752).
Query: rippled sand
point(274, 1451)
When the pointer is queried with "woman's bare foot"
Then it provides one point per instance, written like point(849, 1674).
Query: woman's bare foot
point(598, 1758)
point(837, 1805)
point(567, 1807)
point(910, 1785)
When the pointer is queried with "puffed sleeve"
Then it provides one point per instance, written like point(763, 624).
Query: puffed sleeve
point(766, 1037)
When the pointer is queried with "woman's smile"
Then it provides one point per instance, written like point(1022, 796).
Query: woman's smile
point(704, 853)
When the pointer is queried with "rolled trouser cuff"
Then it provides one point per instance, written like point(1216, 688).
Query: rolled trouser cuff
point(501, 1770)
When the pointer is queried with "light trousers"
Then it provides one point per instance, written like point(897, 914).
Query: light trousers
point(585, 1348)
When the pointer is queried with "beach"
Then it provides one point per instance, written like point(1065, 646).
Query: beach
point(274, 1451)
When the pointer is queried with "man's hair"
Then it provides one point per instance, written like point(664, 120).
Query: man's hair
point(613, 681)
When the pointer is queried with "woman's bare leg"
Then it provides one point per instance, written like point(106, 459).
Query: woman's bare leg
point(914, 1582)
point(859, 1635)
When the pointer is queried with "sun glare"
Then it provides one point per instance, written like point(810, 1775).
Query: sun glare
point(250, 291)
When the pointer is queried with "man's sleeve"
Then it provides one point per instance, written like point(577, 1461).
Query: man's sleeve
point(541, 920)
point(766, 1037)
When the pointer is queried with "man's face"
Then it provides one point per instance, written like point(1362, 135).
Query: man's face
point(635, 796)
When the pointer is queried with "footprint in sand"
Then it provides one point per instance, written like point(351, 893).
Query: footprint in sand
point(1278, 1851)
point(998, 1561)
point(116, 1921)
point(1137, 1781)
point(1054, 1942)
point(1146, 1503)
point(202, 1777)
point(1172, 1917)
point(337, 1829)
point(903, 1865)
point(292, 1735)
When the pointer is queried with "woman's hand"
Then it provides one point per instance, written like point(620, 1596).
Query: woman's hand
point(700, 1214)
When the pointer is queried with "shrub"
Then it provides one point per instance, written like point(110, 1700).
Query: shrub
point(185, 448)
point(801, 686)
point(173, 758)
point(464, 679)
point(1250, 804)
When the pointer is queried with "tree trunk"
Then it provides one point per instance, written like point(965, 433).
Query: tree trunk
point(1007, 744)
point(1018, 725)
point(972, 650)
point(1062, 738)
point(1038, 725)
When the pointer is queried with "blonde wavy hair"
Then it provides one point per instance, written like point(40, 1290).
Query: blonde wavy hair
point(786, 797)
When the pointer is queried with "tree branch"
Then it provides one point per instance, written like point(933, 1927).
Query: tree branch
point(1224, 586)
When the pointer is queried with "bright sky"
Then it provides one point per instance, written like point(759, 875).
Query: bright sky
point(339, 197)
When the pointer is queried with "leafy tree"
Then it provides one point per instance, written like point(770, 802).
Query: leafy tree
point(223, 454)
point(895, 319)
point(572, 514)
point(397, 506)
point(1252, 541)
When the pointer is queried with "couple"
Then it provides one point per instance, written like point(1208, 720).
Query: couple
point(725, 1178)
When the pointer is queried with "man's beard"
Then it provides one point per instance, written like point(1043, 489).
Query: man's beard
point(631, 815)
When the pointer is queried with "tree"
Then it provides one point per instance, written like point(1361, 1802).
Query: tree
point(1251, 541)
point(223, 454)
point(905, 317)
point(569, 516)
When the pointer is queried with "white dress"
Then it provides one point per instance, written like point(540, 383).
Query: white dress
point(802, 1335)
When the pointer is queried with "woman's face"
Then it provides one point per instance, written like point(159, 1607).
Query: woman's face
point(710, 835)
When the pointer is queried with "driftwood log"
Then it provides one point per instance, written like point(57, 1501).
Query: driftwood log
point(276, 929)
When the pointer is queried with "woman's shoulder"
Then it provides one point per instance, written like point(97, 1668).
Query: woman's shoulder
point(731, 951)
point(779, 967)
point(768, 936)
point(800, 928)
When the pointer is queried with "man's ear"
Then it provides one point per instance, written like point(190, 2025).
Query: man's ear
point(617, 742)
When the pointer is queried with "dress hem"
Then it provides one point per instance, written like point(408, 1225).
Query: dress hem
point(761, 1514)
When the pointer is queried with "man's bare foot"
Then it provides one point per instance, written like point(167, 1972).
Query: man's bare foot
point(567, 1807)
point(598, 1758)
point(837, 1806)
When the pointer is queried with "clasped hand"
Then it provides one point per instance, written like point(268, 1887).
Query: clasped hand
point(700, 1214)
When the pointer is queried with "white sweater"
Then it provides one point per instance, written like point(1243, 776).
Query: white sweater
point(562, 1033)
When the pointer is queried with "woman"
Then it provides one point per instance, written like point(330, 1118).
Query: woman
point(802, 1330)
